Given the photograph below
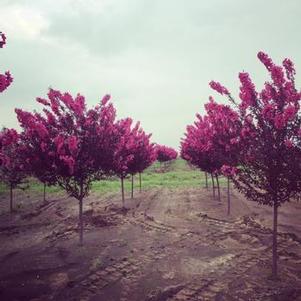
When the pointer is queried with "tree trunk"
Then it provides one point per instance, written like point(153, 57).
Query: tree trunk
point(132, 192)
point(122, 191)
point(274, 269)
point(218, 190)
point(11, 198)
point(213, 188)
point(228, 193)
point(81, 225)
point(206, 180)
point(81, 228)
point(140, 187)
point(44, 196)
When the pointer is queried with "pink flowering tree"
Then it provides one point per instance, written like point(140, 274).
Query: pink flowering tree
point(7, 137)
point(6, 78)
point(78, 143)
point(36, 156)
point(269, 170)
point(12, 168)
point(133, 154)
point(5, 81)
point(225, 127)
point(198, 149)
point(143, 155)
point(124, 152)
point(165, 154)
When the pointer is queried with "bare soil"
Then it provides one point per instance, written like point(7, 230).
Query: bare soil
point(168, 245)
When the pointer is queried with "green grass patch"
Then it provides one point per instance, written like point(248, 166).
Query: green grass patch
point(173, 175)
point(32, 185)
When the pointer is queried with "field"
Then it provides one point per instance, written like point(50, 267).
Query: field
point(174, 242)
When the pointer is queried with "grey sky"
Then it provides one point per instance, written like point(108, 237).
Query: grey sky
point(155, 57)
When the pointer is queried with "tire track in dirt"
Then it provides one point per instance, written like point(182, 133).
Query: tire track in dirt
point(151, 225)
point(217, 280)
point(207, 289)
point(214, 282)
point(214, 279)
point(150, 201)
point(217, 277)
point(127, 270)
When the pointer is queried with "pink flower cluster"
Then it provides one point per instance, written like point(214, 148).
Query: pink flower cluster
point(12, 165)
point(6, 78)
point(219, 88)
point(8, 136)
point(213, 140)
point(247, 94)
point(142, 149)
point(165, 153)
point(134, 151)
point(123, 154)
point(289, 68)
point(229, 171)
point(2, 39)
point(5, 81)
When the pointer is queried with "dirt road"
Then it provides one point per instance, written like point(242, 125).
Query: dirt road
point(169, 245)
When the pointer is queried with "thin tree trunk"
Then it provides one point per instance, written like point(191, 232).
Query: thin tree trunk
point(228, 193)
point(81, 225)
point(206, 179)
point(122, 191)
point(11, 199)
point(140, 187)
point(132, 194)
point(274, 269)
point(213, 188)
point(81, 228)
point(44, 196)
point(218, 190)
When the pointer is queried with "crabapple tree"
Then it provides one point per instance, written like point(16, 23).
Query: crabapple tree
point(143, 154)
point(165, 154)
point(124, 151)
point(12, 168)
point(268, 169)
point(78, 143)
point(197, 148)
point(225, 127)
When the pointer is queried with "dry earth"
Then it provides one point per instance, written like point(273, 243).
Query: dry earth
point(169, 245)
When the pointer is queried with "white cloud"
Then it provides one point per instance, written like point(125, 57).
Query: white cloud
point(22, 22)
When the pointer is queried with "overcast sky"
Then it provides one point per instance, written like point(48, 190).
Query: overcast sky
point(155, 57)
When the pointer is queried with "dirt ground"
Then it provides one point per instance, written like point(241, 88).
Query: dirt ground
point(169, 245)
